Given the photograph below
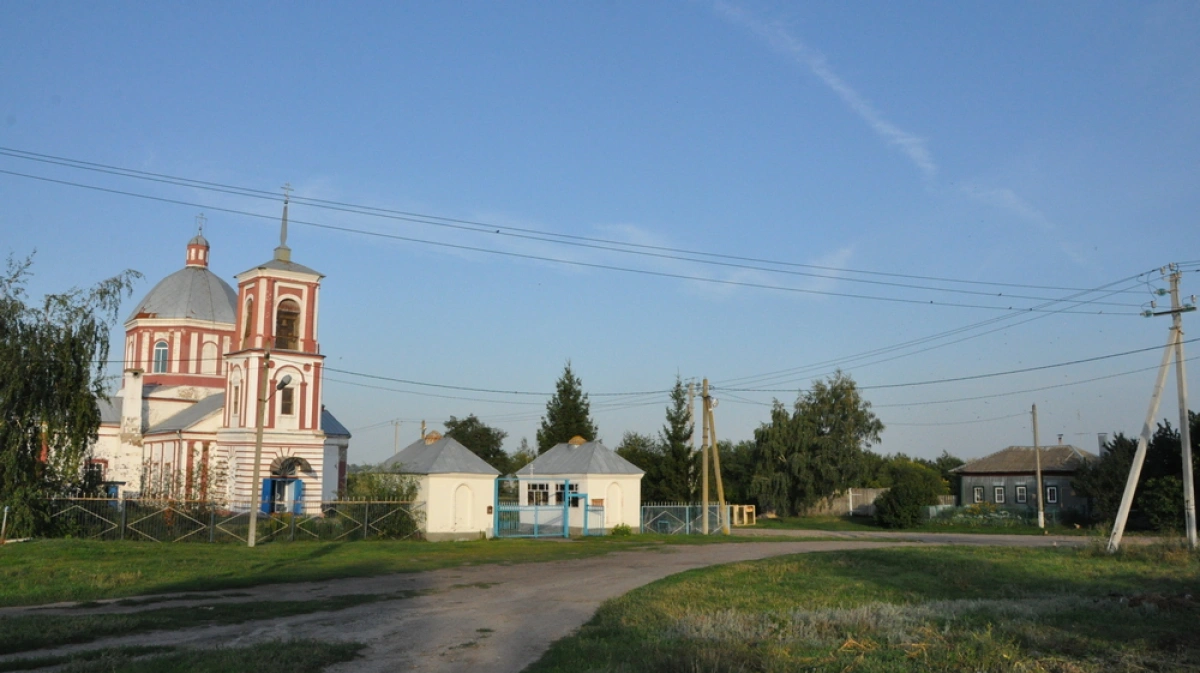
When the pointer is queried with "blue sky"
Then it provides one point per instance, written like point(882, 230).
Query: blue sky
point(962, 157)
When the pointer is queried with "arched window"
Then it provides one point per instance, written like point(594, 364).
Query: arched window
point(160, 357)
point(247, 320)
point(287, 325)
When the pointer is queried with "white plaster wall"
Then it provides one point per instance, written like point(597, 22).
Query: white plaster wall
point(437, 492)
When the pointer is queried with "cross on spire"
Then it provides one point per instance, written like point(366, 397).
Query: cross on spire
point(200, 222)
point(283, 253)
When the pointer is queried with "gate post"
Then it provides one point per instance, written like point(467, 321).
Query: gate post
point(212, 523)
point(124, 517)
point(366, 519)
point(496, 506)
point(566, 508)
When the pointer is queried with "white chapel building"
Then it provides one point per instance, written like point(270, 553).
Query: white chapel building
point(183, 424)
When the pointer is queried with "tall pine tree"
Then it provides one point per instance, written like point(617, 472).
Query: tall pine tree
point(567, 413)
point(676, 473)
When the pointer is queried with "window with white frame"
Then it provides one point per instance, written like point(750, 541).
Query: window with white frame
point(977, 494)
point(998, 495)
point(1022, 494)
point(558, 494)
point(1051, 495)
point(538, 494)
point(160, 358)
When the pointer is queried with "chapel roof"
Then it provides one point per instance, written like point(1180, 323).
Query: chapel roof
point(443, 455)
point(579, 458)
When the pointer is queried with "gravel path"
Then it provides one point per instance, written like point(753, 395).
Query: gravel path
point(488, 617)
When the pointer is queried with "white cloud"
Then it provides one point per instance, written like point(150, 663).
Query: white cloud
point(783, 41)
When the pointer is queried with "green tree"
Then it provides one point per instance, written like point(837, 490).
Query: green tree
point(1103, 481)
point(482, 439)
point(817, 450)
point(568, 413)
point(943, 464)
point(52, 359)
point(643, 451)
point(913, 487)
point(737, 471)
point(524, 456)
point(676, 474)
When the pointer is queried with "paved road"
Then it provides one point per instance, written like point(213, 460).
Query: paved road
point(492, 617)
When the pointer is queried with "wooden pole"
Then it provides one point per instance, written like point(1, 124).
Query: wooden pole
point(1037, 451)
point(722, 514)
point(704, 461)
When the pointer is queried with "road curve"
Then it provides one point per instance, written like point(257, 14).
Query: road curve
point(490, 617)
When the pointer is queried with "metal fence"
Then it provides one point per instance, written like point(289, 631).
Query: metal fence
point(682, 518)
point(522, 511)
point(192, 521)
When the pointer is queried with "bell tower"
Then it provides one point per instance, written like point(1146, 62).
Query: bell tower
point(275, 335)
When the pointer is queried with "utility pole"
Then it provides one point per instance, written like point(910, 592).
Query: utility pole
point(1174, 347)
point(722, 515)
point(256, 488)
point(1037, 452)
point(704, 462)
point(1185, 430)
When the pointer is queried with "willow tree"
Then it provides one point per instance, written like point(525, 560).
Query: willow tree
point(52, 361)
point(817, 450)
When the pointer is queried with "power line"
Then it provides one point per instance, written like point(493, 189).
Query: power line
point(536, 234)
point(974, 377)
point(791, 373)
point(542, 258)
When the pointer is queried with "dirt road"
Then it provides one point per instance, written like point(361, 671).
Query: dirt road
point(488, 617)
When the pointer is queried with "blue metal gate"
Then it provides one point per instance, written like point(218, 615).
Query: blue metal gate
point(540, 507)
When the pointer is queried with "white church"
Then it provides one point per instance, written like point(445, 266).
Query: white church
point(183, 425)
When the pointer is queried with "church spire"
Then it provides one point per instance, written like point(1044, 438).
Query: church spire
point(283, 253)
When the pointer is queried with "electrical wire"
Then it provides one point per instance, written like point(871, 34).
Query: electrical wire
point(533, 234)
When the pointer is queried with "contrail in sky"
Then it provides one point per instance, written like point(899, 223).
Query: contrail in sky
point(779, 38)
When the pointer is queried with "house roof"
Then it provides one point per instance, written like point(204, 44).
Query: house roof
point(1019, 459)
point(192, 292)
point(443, 456)
point(331, 426)
point(586, 458)
point(190, 416)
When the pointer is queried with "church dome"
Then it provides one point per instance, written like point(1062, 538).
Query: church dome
point(194, 293)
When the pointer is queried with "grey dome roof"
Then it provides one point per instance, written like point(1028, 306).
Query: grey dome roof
point(199, 239)
point(193, 292)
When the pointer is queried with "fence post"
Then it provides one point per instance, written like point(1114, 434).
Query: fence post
point(212, 524)
point(687, 520)
point(496, 508)
point(124, 516)
point(292, 528)
point(366, 519)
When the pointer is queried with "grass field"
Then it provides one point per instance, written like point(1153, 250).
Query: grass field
point(33, 573)
point(301, 657)
point(909, 609)
point(866, 523)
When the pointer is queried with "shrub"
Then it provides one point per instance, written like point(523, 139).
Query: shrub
point(621, 529)
point(1161, 500)
point(914, 487)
